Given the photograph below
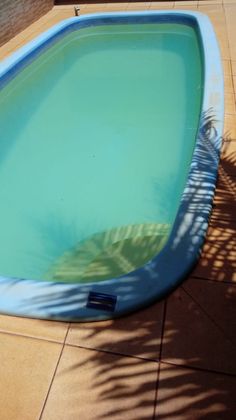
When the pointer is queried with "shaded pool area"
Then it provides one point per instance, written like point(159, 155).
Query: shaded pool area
point(107, 178)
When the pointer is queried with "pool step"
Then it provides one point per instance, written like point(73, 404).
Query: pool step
point(110, 254)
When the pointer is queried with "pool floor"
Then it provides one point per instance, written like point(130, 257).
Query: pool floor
point(87, 179)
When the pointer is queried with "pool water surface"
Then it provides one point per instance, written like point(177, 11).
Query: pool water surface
point(99, 133)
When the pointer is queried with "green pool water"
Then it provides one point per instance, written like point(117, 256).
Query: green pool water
point(96, 139)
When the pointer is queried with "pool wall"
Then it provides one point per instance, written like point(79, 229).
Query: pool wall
point(112, 298)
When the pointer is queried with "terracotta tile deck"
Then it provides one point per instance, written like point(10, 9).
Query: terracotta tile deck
point(174, 360)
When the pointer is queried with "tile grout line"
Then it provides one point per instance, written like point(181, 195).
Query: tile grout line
point(208, 316)
point(222, 218)
point(198, 369)
point(201, 278)
point(229, 176)
point(225, 177)
point(230, 113)
point(54, 373)
point(212, 225)
point(15, 334)
point(115, 353)
point(228, 132)
point(229, 140)
point(229, 48)
point(155, 415)
point(233, 76)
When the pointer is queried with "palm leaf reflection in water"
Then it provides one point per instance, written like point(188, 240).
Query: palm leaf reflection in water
point(110, 254)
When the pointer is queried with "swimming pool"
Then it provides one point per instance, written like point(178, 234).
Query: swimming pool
point(108, 162)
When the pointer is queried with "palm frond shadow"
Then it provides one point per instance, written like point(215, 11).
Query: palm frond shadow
point(182, 392)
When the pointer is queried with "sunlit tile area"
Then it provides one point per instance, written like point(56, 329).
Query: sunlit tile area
point(173, 360)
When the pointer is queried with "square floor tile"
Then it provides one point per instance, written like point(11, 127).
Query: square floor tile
point(218, 257)
point(192, 338)
point(228, 149)
point(143, 5)
point(210, 2)
point(186, 3)
point(234, 82)
point(161, 5)
point(185, 7)
point(213, 266)
point(98, 6)
point(186, 394)
point(138, 334)
point(230, 13)
point(230, 103)
point(96, 385)
point(117, 6)
point(233, 63)
point(26, 370)
point(226, 67)
point(228, 84)
point(218, 301)
point(224, 199)
point(228, 159)
point(217, 261)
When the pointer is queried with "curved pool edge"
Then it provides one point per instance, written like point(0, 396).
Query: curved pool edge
point(61, 301)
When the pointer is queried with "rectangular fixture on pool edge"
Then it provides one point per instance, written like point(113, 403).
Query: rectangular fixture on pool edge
point(111, 129)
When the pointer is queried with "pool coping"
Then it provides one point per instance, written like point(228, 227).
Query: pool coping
point(63, 301)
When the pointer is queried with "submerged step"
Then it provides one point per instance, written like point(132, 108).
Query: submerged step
point(110, 254)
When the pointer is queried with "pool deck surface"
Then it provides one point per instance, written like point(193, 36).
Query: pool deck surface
point(174, 360)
